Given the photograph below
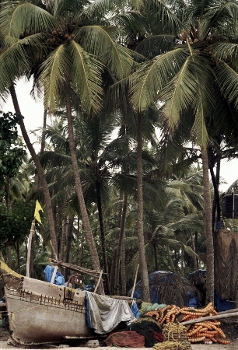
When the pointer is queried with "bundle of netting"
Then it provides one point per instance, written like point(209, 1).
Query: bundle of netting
point(174, 338)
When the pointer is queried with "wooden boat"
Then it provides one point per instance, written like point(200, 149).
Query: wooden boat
point(42, 312)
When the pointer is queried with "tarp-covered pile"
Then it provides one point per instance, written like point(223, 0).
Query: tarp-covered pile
point(169, 288)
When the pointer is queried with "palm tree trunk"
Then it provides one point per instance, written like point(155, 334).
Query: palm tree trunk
point(115, 266)
point(103, 240)
point(69, 239)
point(155, 255)
point(39, 171)
point(123, 248)
point(171, 260)
point(140, 231)
point(42, 145)
point(9, 255)
point(64, 225)
point(216, 201)
point(208, 228)
point(78, 185)
point(120, 258)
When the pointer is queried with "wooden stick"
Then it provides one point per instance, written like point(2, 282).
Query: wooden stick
point(215, 317)
point(99, 280)
point(135, 278)
point(54, 274)
point(77, 268)
point(53, 250)
point(28, 260)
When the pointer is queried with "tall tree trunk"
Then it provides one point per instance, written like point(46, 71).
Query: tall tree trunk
point(62, 252)
point(115, 265)
point(123, 248)
point(40, 172)
point(42, 145)
point(78, 185)
point(155, 255)
point(216, 219)
point(140, 231)
point(120, 258)
point(103, 240)
point(69, 239)
point(9, 255)
point(113, 272)
point(18, 257)
point(208, 228)
point(195, 260)
point(171, 260)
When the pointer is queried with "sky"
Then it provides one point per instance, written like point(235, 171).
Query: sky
point(32, 110)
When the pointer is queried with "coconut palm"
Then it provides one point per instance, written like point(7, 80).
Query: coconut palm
point(193, 77)
point(60, 48)
point(154, 33)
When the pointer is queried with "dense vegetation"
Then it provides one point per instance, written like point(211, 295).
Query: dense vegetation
point(143, 103)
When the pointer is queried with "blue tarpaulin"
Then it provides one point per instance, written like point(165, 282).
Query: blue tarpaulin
point(59, 278)
point(169, 288)
point(198, 279)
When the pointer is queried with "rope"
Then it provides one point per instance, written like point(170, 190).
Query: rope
point(175, 338)
point(169, 345)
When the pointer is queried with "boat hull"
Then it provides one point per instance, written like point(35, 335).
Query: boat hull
point(40, 312)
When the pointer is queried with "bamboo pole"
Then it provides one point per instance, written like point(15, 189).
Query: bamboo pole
point(135, 279)
point(99, 281)
point(223, 314)
point(28, 260)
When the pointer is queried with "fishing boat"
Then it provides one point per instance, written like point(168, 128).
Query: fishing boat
point(43, 312)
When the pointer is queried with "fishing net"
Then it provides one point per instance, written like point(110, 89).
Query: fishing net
point(174, 338)
point(125, 339)
point(144, 332)
point(226, 264)
point(149, 328)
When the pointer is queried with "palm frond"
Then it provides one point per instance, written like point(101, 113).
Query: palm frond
point(86, 75)
point(227, 79)
point(188, 223)
point(52, 75)
point(181, 91)
point(165, 15)
point(225, 50)
point(24, 18)
point(179, 95)
point(61, 7)
point(99, 8)
point(131, 23)
point(155, 45)
point(152, 76)
point(9, 71)
point(55, 159)
point(100, 41)
point(220, 17)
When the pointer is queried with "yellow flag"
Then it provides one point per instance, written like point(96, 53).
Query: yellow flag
point(37, 211)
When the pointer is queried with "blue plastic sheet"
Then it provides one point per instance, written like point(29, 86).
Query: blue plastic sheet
point(166, 278)
point(59, 278)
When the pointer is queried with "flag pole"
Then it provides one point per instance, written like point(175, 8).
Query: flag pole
point(37, 217)
point(28, 261)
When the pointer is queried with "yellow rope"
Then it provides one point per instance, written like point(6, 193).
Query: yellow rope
point(169, 345)
point(175, 338)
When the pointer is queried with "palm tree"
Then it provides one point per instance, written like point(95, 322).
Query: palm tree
point(61, 49)
point(152, 34)
point(192, 78)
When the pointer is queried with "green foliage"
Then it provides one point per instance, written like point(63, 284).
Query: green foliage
point(11, 155)
point(16, 224)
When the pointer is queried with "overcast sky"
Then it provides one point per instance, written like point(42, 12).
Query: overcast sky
point(33, 116)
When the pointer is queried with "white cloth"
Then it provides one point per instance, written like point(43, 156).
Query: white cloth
point(106, 313)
